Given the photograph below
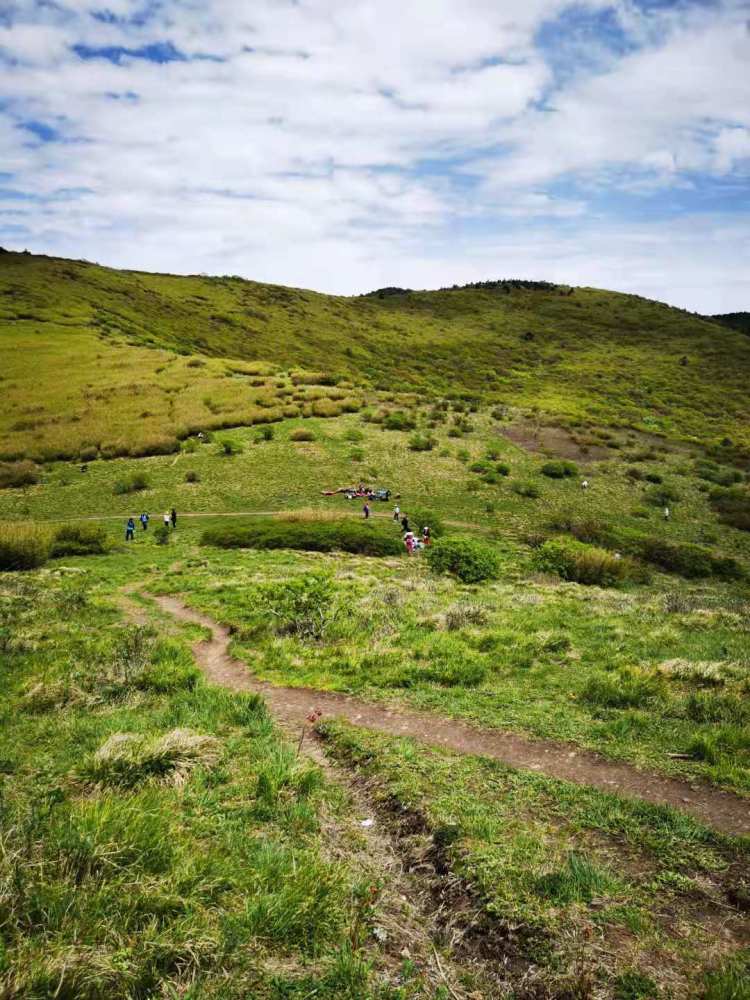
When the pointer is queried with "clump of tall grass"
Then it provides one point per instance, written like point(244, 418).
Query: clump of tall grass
point(16, 474)
point(23, 546)
point(621, 690)
point(133, 483)
point(581, 563)
point(78, 540)
point(128, 760)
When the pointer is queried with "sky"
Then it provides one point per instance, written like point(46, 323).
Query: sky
point(345, 145)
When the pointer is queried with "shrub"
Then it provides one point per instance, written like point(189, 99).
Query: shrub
point(732, 506)
point(559, 470)
point(526, 489)
point(502, 469)
point(397, 420)
point(302, 434)
point(264, 434)
point(78, 540)
point(720, 475)
point(191, 476)
point(227, 447)
point(88, 454)
point(480, 467)
point(691, 561)
point(582, 563)
point(133, 483)
point(712, 706)
point(307, 535)
point(654, 477)
point(23, 546)
point(422, 442)
point(660, 496)
point(466, 558)
point(16, 474)
point(162, 445)
point(161, 534)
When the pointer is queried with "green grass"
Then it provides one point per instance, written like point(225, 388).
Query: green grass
point(596, 892)
point(157, 835)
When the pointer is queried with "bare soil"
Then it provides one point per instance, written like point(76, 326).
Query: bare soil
point(722, 810)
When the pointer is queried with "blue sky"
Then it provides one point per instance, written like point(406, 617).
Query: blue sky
point(343, 145)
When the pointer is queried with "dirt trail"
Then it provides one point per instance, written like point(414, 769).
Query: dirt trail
point(721, 810)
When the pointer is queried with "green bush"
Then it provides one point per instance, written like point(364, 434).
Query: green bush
point(720, 475)
point(301, 434)
point(397, 420)
point(582, 563)
point(690, 561)
point(660, 496)
point(301, 606)
point(481, 467)
point(422, 442)
point(191, 476)
point(133, 483)
point(467, 558)
point(161, 534)
point(733, 506)
point(502, 469)
point(526, 489)
point(16, 474)
point(366, 539)
point(228, 447)
point(78, 540)
point(23, 546)
point(559, 470)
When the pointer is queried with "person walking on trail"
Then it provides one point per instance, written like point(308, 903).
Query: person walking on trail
point(396, 512)
point(130, 530)
point(426, 537)
point(409, 542)
point(166, 519)
point(405, 523)
point(585, 484)
point(666, 513)
point(144, 519)
point(366, 511)
point(173, 517)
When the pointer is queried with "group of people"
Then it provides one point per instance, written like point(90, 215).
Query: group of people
point(412, 542)
point(170, 520)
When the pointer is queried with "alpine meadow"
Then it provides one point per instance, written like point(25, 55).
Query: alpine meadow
point(389, 647)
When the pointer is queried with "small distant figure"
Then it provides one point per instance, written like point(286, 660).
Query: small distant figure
point(144, 519)
point(366, 511)
point(130, 530)
point(426, 535)
point(200, 435)
point(173, 517)
point(405, 524)
point(84, 468)
point(666, 514)
point(585, 484)
point(396, 512)
point(166, 519)
point(409, 542)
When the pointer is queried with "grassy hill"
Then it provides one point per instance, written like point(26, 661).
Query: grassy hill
point(160, 835)
point(95, 360)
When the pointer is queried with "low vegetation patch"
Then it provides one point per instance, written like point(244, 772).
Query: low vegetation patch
point(134, 483)
point(23, 546)
point(365, 538)
point(16, 474)
point(128, 760)
point(732, 506)
point(579, 562)
point(559, 470)
point(469, 559)
point(78, 540)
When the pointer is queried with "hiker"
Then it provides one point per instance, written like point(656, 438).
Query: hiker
point(405, 524)
point(166, 519)
point(396, 512)
point(409, 542)
point(130, 530)
point(144, 519)
point(173, 517)
point(366, 511)
point(666, 513)
point(426, 537)
point(585, 484)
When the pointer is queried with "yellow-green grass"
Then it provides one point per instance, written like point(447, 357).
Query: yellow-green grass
point(68, 329)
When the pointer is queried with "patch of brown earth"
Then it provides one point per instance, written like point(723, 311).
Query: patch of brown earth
point(554, 441)
point(725, 811)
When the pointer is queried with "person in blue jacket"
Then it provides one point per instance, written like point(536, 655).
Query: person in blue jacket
point(130, 530)
point(144, 519)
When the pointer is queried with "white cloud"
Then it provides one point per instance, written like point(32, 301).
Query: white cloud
point(312, 153)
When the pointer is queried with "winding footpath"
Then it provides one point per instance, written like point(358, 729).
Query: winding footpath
point(724, 811)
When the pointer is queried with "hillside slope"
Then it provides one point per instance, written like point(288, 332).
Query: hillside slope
point(92, 357)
